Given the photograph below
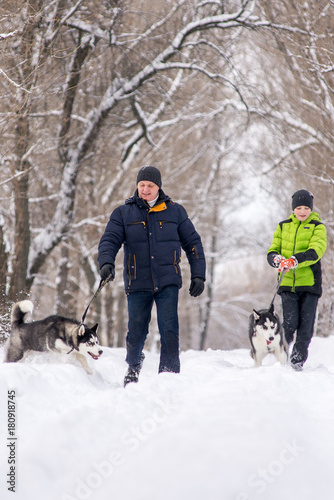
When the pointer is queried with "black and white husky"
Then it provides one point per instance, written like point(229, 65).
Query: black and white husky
point(53, 333)
point(266, 336)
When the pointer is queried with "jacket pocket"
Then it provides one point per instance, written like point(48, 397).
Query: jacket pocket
point(138, 223)
point(162, 223)
point(194, 251)
point(167, 226)
point(177, 260)
point(131, 268)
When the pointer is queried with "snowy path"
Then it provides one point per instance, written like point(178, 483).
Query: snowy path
point(220, 430)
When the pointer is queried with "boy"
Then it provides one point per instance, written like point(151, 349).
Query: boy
point(298, 245)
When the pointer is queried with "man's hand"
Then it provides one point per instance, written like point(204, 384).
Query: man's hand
point(196, 287)
point(107, 272)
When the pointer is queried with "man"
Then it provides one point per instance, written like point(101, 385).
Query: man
point(153, 229)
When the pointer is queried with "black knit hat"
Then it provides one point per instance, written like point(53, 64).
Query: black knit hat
point(151, 174)
point(302, 198)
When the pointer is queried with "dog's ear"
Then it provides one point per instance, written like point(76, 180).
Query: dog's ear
point(81, 331)
point(95, 327)
point(78, 332)
point(256, 315)
point(271, 310)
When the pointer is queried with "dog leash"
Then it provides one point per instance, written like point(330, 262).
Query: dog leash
point(279, 284)
point(101, 285)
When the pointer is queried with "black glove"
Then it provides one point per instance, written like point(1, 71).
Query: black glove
point(196, 287)
point(107, 272)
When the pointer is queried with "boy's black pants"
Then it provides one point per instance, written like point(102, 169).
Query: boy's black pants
point(299, 310)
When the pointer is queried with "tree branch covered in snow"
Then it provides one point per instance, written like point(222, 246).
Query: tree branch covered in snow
point(17, 85)
point(113, 95)
point(91, 91)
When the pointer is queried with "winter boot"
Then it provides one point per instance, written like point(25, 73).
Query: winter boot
point(298, 367)
point(131, 376)
point(297, 361)
point(133, 371)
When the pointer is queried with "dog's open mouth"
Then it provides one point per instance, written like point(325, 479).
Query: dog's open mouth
point(94, 356)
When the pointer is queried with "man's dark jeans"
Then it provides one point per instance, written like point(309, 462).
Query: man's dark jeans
point(139, 309)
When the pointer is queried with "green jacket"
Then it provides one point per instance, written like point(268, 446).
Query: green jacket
point(307, 241)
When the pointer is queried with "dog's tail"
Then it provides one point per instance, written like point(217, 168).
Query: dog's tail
point(20, 310)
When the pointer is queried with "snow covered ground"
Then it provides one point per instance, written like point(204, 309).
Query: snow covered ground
point(220, 430)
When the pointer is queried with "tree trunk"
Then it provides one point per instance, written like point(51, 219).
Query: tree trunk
point(18, 285)
point(3, 270)
point(213, 249)
point(62, 282)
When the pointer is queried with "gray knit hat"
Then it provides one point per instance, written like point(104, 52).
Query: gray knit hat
point(151, 174)
point(302, 198)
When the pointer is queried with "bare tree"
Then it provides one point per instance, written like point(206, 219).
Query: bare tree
point(298, 113)
point(99, 89)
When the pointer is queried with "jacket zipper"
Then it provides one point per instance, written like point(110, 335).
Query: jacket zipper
point(195, 251)
point(139, 222)
point(134, 267)
point(293, 252)
point(176, 262)
point(148, 227)
point(161, 222)
point(129, 269)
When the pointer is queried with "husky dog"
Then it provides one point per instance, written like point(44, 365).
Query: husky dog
point(53, 333)
point(266, 336)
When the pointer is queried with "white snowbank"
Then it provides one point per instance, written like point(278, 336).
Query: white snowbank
point(220, 430)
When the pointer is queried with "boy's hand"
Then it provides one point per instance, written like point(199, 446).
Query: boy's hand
point(288, 264)
point(277, 260)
